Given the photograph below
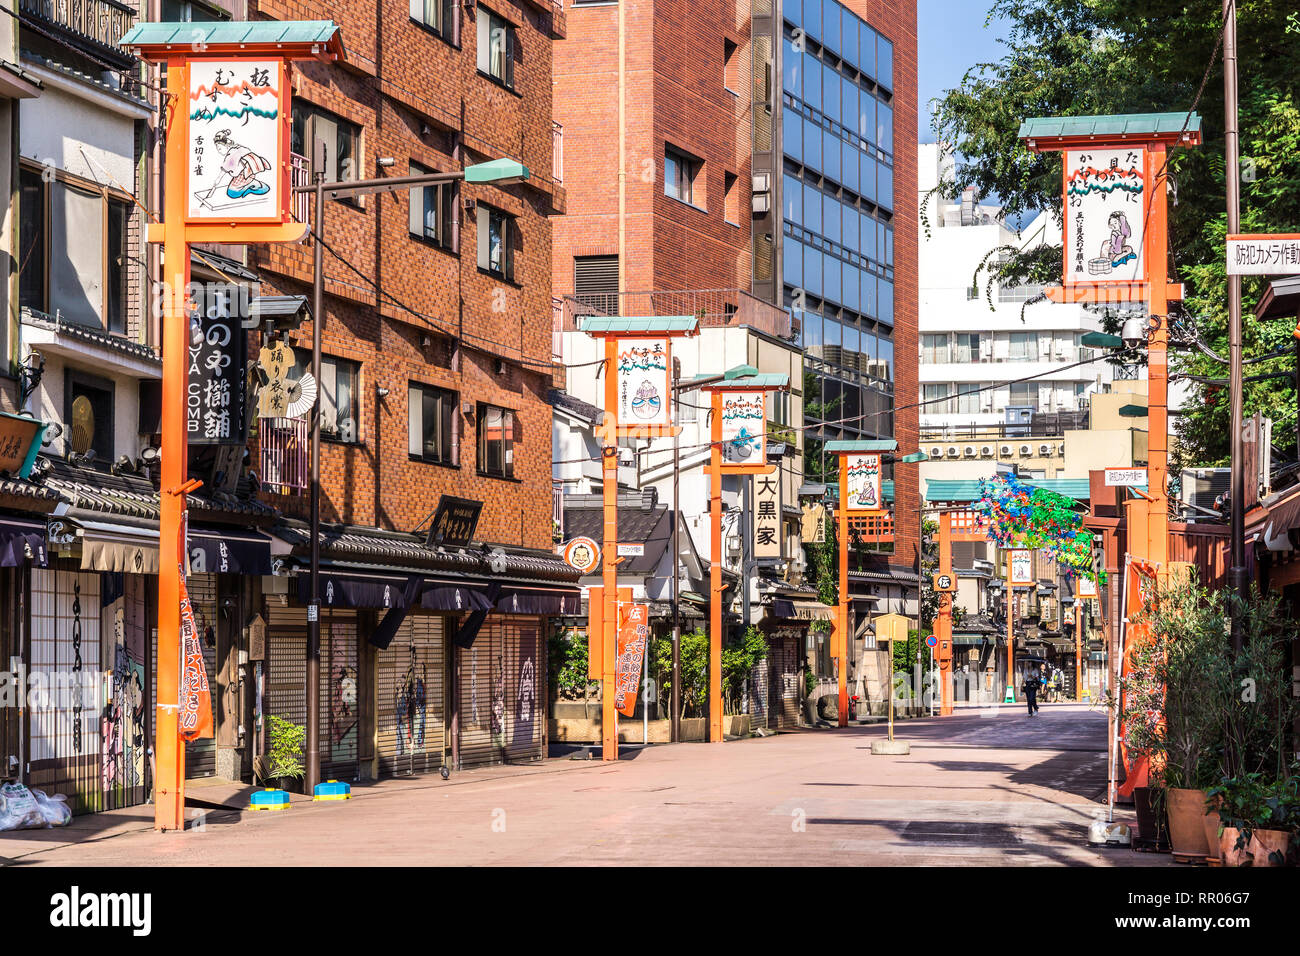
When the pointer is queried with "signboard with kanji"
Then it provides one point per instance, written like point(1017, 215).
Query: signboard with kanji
point(455, 522)
point(1264, 255)
point(944, 582)
point(1106, 197)
point(1022, 567)
point(743, 426)
point(238, 140)
point(633, 631)
point(864, 492)
point(767, 516)
point(644, 386)
point(1126, 477)
point(214, 406)
point(1085, 588)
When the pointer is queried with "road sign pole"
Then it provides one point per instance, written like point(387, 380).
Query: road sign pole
point(609, 556)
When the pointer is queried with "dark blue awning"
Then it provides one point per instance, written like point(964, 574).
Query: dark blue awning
point(21, 541)
point(448, 596)
point(548, 601)
point(229, 551)
point(381, 591)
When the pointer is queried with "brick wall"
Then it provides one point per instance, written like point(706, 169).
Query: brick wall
point(442, 321)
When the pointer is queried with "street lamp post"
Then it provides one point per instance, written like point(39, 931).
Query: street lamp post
point(498, 171)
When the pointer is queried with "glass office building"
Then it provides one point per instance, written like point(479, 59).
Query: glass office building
point(837, 192)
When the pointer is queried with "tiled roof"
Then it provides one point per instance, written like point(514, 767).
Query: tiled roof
point(17, 488)
point(887, 444)
point(57, 67)
point(640, 323)
point(237, 32)
point(652, 527)
point(131, 496)
point(1124, 124)
point(94, 336)
point(576, 406)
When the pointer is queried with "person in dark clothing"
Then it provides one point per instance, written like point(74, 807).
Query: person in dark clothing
point(1030, 687)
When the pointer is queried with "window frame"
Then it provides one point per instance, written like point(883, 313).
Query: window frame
point(303, 355)
point(445, 202)
point(482, 232)
point(447, 398)
point(685, 163)
point(483, 53)
point(311, 113)
point(448, 32)
point(508, 441)
point(75, 378)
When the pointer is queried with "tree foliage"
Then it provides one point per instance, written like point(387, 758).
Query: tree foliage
point(1064, 57)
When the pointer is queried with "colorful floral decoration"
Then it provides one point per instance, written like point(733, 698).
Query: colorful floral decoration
point(1022, 516)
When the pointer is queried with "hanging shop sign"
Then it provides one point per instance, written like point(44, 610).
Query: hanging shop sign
point(1085, 588)
point(633, 632)
point(1022, 567)
point(1264, 254)
point(644, 385)
point(582, 554)
point(864, 483)
point(743, 427)
point(1106, 198)
point(767, 516)
point(455, 522)
point(214, 403)
point(20, 441)
point(238, 140)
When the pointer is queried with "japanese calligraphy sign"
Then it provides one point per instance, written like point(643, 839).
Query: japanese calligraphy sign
point(214, 403)
point(864, 483)
point(1264, 255)
point(633, 632)
point(455, 521)
point(20, 440)
point(238, 140)
point(1106, 199)
point(743, 426)
point(1022, 567)
point(644, 386)
point(1085, 588)
point(275, 361)
point(767, 516)
point(195, 698)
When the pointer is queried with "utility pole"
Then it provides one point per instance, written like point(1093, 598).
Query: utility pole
point(675, 704)
point(313, 606)
point(1232, 171)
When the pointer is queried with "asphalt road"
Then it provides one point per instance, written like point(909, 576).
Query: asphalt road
point(990, 788)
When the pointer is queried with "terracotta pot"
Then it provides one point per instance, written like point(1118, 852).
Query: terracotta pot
point(1187, 825)
point(1151, 828)
point(1228, 851)
point(1211, 823)
point(1264, 843)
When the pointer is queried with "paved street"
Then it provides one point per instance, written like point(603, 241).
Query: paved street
point(976, 789)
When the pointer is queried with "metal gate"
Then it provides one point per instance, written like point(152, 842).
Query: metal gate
point(411, 711)
point(502, 716)
point(340, 724)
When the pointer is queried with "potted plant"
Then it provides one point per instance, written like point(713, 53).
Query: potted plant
point(283, 762)
point(1259, 819)
point(1142, 718)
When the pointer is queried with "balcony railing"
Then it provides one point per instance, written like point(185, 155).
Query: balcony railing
point(101, 23)
point(284, 445)
point(557, 152)
point(300, 175)
point(715, 308)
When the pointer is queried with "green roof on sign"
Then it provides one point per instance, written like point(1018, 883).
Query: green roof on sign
point(604, 324)
point(761, 380)
point(964, 490)
point(237, 32)
point(1123, 124)
point(852, 445)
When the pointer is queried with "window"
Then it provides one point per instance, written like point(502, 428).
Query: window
point(88, 416)
point(934, 349)
point(183, 11)
point(339, 395)
point(731, 198)
point(72, 253)
point(496, 48)
point(437, 15)
point(966, 347)
point(496, 242)
point(680, 172)
point(496, 441)
point(730, 65)
point(1024, 346)
point(1023, 394)
point(432, 210)
point(936, 400)
point(966, 399)
point(342, 140)
point(433, 424)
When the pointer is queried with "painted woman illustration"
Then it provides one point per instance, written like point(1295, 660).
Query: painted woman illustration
point(1117, 248)
point(242, 165)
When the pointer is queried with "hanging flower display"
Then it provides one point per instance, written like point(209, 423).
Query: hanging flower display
point(1022, 516)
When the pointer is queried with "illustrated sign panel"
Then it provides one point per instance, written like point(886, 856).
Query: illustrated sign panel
point(1022, 566)
point(767, 516)
point(644, 389)
point(1264, 255)
point(1105, 211)
point(236, 139)
point(743, 427)
point(582, 554)
point(864, 483)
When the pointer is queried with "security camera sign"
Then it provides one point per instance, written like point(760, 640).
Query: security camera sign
point(1264, 255)
point(1126, 477)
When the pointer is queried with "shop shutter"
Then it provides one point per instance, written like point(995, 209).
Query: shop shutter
point(201, 754)
point(286, 664)
point(785, 660)
point(411, 709)
point(759, 692)
point(481, 696)
point(340, 693)
point(525, 678)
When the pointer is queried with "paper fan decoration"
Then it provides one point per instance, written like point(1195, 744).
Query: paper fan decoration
point(301, 395)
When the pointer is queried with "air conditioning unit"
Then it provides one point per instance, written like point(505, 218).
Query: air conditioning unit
point(1005, 450)
point(954, 451)
point(1026, 451)
point(936, 451)
point(970, 451)
point(1045, 451)
point(1061, 449)
point(986, 451)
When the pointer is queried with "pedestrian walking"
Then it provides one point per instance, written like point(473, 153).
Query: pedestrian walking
point(1030, 687)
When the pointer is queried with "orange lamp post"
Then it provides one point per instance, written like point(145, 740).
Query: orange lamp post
point(220, 187)
point(861, 504)
point(737, 446)
point(638, 404)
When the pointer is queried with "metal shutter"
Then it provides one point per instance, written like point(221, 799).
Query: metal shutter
point(201, 754)
point(286, 664)
point(595, 282)
point(340, 695)
point(759, 685)
point(410, 712)
point(525, 676)
point(481, 697)
point(784, 654)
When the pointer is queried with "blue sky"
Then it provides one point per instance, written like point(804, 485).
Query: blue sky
point(951, 39)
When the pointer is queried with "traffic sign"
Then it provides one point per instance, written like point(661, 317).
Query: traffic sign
point(931, 641)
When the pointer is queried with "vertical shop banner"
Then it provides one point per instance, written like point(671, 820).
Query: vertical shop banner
point(644, 385)
point(195, 718)
point(1022, 567)
point(767, 516)
point(864, 483)
point(236, 139)
point(1106, 198)
point(214, 406)
point(633, 632)
point(743, 425)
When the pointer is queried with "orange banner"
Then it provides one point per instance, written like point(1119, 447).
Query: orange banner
point(633, 632)
point(195, 699)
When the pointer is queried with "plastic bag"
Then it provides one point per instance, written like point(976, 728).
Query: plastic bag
point(19, 810)
point(54, 809)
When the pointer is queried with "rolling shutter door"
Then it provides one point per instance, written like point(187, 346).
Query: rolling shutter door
point(759, 691)
point(286, 664)
point(525, 676)
point(340, 716)
point(411, 710)
point(481, 696)
point(785, 661)
point(201, 754)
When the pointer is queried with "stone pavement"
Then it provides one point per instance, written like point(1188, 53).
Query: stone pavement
point(976, 789)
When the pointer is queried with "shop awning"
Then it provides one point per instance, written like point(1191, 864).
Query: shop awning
point(802, 610)
point(20, 542)
point(359, 590)
point(228, 551)
point(115, 547)
point(548, 601)
point(449, 596)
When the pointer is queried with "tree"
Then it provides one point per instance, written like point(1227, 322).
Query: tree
point(1114, 56)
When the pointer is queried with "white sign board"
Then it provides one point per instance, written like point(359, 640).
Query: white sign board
point(643, 383)
point(1105, 198)
point(1085, 588)
point(742, 427)
point(235, 139)
point(631, 550)
point(1022, 566)
point(1126, 477)
point(864, 483)
point(1264, 255)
